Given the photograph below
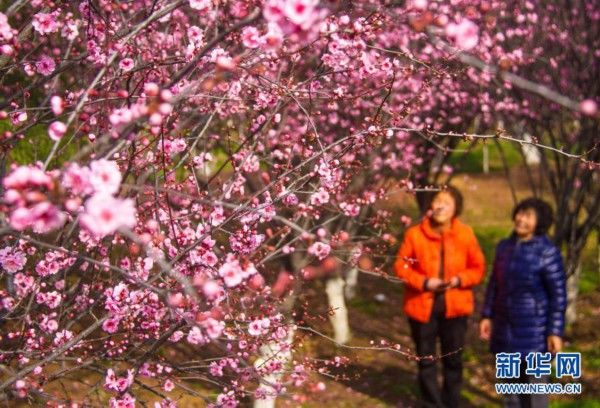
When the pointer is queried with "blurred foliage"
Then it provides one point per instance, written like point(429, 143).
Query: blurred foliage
point(36, 145)
point(472, 162)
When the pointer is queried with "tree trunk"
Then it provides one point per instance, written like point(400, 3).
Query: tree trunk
point(532, 154)
point(269, 352)
point(486, 159)
point(352, 281)
point(339, 312)
point(572, 292)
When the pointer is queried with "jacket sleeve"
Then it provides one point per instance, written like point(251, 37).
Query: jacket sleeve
point(490, 292)
point(555, 283)
point(405, 265)
point(473, 274)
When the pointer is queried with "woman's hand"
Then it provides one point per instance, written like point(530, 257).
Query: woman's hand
point(485, 329)
point(454, 282)
point(435, 284)
point(555, 344)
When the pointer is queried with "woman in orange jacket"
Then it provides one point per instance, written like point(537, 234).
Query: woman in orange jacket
point(440, 261)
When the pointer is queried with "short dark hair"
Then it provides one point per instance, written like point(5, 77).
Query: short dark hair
point(454, 193)
point(543, 212)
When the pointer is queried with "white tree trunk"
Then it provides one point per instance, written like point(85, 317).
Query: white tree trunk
point(339, 317)
point(532, 154)
point(572, 292)
point(352, 282)
point(486, 159)
point(269, 352)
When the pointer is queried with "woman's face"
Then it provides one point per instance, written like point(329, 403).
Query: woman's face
point(443, 208)
point(525, 223)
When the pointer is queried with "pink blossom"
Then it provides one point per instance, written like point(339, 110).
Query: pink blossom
point(45, 65)
point(8, 302)
point(6, 49)
point(6, 32)
point(251, 37)
point(291, 200)
point(56, 130)
point(216, 216)
point(320, 197)
point(49, 325)
point(118, 384)
point(77, 179)
point(111, 325)
point(250, 164)
point(273, 10)
point(255, 328)
point(281, 333)
point(105, 214)
point(119, 292)
point(201, 5)
point(29, 69)
point(216, 369)
point(18, 117)
point(105, 176)
point(57, 104)
point(195, 336)
point(126, 64)
point(70, 30)
point(465, 34)
point(231, 273)
point(273, 38)
point(299, 11)
point(12, 259)
point(319, 249)
point(213, 327)
point(419, 4)
point(47, 267)
point(588, 107)
point(27, 177)
point(176, 336)
point(44, 23)
point(23, 284)
point(226, 63)
point(42, 218)
point(168, 386)
point(126, 401)
point(351, 210)
point(212, 289)
point(257, 282)
point(227, 400)
point(173, 147)
point(195, 34)
point(50, 299)
point(62, 337)
point(125, 115)
point(166, 403)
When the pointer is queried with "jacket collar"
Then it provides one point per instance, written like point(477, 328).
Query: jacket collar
point(428, 230)
point(536, 239)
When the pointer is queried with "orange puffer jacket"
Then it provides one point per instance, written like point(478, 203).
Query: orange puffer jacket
point(419, 259)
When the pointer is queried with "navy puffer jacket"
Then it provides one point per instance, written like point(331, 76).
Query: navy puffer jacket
point(526, 296)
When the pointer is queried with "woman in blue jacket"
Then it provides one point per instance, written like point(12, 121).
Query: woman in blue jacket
point(526, 298)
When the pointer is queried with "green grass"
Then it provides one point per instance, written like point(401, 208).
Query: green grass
point(590, 358)
point(365, 305)
point(579, 403)
point(36, 146)
point(488, 237)
point(590, 270)
point(405, 388)
point(472, 162)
